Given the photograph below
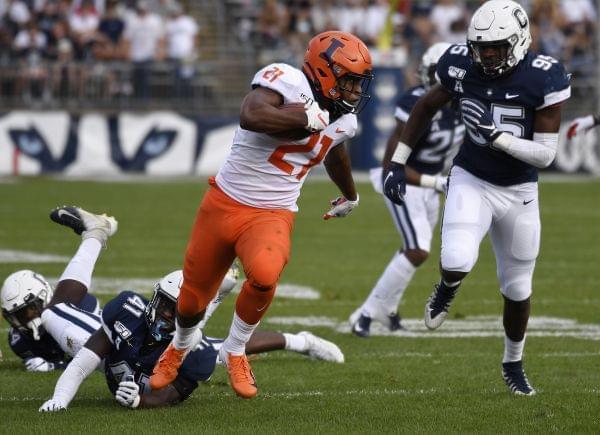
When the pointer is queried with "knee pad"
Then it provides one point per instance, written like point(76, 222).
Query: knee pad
point(265, 269)
point(459, 251)
point(517, 290)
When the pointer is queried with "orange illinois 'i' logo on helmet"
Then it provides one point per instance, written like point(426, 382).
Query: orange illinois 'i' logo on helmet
point(339, 66)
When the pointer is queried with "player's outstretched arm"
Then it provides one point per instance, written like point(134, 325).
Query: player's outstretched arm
point(82, 365)
point(337, 164)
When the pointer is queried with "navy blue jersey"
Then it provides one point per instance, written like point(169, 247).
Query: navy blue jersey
point(536, 82)
point(135, 352)
point(24, 346)
point(445, 130)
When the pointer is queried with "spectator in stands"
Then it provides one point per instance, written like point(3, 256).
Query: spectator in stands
point(18, 16)
point(144, 36)
point(450, 20)
point(272, 24)
point(182, 42)
point(580, 25)
point(351, 17)
point(30, 45)
point(323, 15)
point(84, 25)
point(547, 22)
point(374, 20)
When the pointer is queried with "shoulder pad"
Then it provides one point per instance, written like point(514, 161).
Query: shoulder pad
point(550, 78)
point(453, 65)
point(281, 78)
point(123, 313)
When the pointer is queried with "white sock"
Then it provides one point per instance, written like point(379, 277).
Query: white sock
point(390, 287)
point(239, 334)
point(186, 337)
point(513, 350)
point(295, 342)
point(81, 266)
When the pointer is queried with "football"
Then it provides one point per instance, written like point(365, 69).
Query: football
point(295, 134)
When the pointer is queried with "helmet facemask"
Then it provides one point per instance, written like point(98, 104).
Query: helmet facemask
point(160, 314)
point(26, 317)
point(494, 58)
point(355, 84)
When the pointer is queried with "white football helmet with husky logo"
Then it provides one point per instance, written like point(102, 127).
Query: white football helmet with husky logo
point(429, 61)
point(24, 296)
point(503, 25)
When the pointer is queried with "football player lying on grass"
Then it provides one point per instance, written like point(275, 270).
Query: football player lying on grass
point(135, 332)
point(48, 327)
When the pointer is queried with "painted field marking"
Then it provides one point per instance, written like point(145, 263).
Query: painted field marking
point(14, 256)
point(113, 286)
point(475, 326)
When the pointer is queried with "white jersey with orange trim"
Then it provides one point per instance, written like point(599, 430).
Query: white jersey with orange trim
point(266, 172)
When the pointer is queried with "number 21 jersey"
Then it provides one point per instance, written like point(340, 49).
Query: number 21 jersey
point(265, 172)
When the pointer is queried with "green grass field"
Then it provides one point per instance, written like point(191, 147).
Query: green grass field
point(437, 382)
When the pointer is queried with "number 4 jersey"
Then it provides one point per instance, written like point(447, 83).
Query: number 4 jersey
point(134, 352)
point(535, 83)
point(265, 172)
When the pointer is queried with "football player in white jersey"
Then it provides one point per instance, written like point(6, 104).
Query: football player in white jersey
point(510, 102)
point(415, 220)
point(249, 209)
point(48, 326)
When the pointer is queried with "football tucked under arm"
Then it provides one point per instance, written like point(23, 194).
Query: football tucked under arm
point(292, 135)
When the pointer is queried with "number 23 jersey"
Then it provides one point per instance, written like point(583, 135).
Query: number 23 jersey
point(265, 172)
point(535, 83)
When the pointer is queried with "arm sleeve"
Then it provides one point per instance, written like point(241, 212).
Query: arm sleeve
point(84, 363)
point(539, 152)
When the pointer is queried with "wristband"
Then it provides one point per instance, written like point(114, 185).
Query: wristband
point(401, 153)
point(503, 142)
point(428, 181)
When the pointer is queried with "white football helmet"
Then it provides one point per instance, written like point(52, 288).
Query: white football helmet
point(23, 297)
point(501, 24)
point(429, 61)
point(160, 311)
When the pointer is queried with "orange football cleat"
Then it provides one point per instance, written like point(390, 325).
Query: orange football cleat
point(241, 378)
point(166, 369)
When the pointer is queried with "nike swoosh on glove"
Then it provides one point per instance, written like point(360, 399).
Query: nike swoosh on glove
point(394, 182)
point(479, 119)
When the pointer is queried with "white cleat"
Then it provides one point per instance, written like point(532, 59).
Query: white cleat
point(436, 308)
point(89, 225)
point(319, 348)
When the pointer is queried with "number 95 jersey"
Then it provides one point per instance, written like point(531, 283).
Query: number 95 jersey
point(535, 83)
point(265, 172)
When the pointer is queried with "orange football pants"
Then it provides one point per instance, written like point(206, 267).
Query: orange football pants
point(225, 229)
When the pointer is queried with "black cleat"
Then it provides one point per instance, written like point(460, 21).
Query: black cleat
point(69, 217)
point(515, 378)
point(436, 309)
point(395, 324)
point(362, 326)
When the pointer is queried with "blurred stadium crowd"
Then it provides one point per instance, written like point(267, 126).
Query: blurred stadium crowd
point(53, 49)
point(109, 53)
point(564, 29)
